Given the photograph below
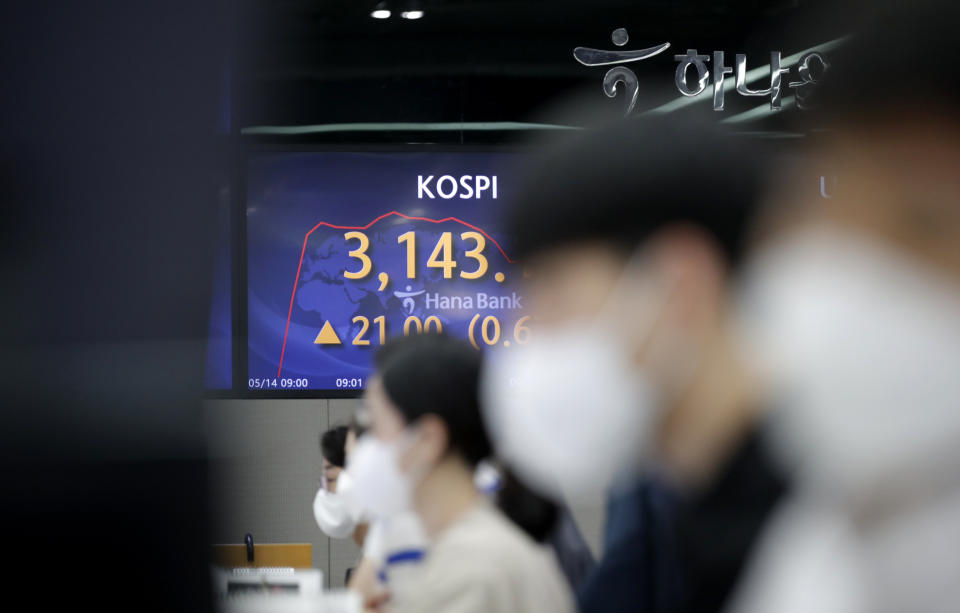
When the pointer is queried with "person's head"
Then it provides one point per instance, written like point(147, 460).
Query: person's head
point(855, 293)
point(627, 236)
point(333, 450)
point(424, 397)
point(889, 133)
point(643, 217)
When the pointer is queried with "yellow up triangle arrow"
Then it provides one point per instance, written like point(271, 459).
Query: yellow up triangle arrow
point(327, 336)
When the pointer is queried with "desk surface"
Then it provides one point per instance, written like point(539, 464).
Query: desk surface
point(290, 555)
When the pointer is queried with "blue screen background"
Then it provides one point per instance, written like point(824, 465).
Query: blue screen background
point(290, 193)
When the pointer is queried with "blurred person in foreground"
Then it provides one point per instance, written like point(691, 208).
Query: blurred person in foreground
point(855, 308)
point(425, 440)
point(634, 377)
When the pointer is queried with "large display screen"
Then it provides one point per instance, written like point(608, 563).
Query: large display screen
point(345, 250)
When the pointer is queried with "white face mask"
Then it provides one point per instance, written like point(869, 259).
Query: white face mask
point(863, 346)
point(570, 411)
point(379, 487)
point(334, 516)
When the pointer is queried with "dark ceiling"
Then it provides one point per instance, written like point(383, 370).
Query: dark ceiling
point(319, 62)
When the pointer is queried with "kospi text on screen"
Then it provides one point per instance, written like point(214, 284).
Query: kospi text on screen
point(463, 187)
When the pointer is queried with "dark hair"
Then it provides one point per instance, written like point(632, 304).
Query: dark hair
point(531, 512)
point(332, 445)
point(435, 374)
point(622, 183)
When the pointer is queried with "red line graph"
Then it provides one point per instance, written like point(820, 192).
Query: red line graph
point(303, 251)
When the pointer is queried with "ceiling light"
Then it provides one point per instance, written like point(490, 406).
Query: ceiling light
point(411, 14)
point(381, 11)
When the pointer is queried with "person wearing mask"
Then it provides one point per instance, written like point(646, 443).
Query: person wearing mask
point(426, 438)
point(330, 508)
point(634, 382)
point(392, 543)
point(854, 300)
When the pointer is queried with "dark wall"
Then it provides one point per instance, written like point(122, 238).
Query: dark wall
point(108, 149)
